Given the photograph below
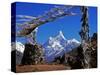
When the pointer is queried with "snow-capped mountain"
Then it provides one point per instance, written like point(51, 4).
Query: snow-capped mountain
point(18, 48)
point(58, 45)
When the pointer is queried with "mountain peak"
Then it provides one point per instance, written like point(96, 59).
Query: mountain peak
point(62, 35)
point(75, 40)
point(50, 38)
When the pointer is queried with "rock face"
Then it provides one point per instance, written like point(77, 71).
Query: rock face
point(33, 54)
point(19, 56)
point(76, 58)
point(93, 60)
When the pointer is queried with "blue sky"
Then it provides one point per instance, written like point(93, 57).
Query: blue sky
point(70, 25)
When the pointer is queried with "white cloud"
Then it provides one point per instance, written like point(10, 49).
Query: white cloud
point(25, 17)
point(18, 20)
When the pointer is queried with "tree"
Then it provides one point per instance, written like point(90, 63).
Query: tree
point(84, 34)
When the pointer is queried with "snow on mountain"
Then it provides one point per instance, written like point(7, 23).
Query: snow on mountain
point(61, 35)
point(18, 47)
point(58, 45)
point(72, 44)
point(73, 40)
